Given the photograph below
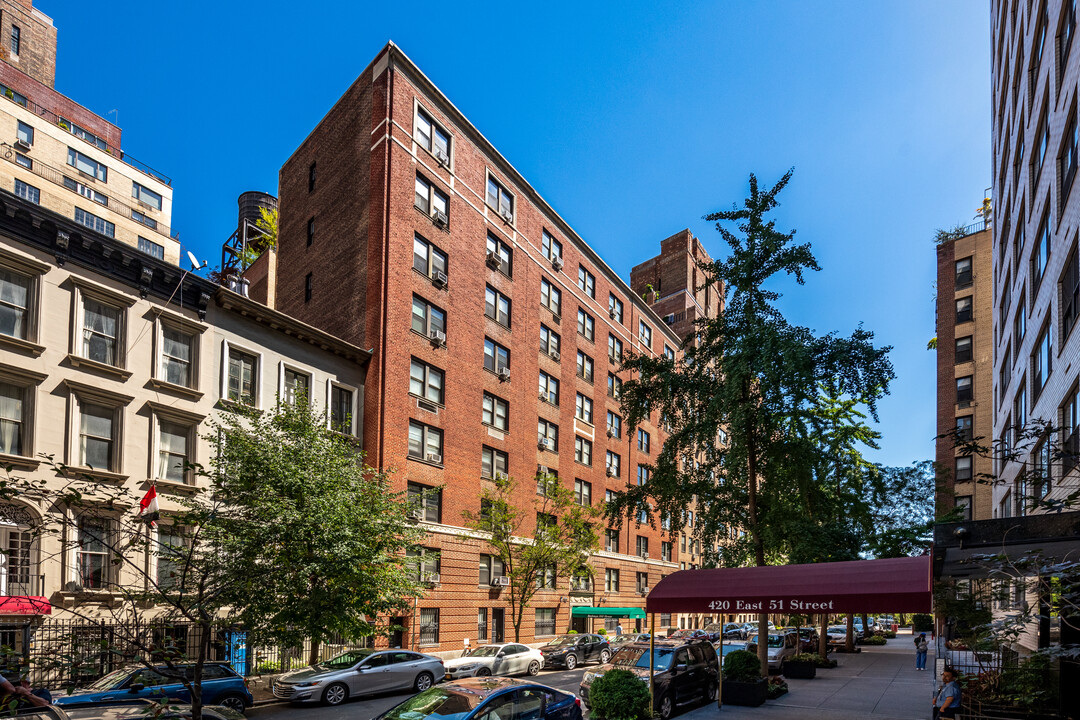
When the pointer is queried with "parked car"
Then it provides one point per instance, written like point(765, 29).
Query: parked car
point(490, 699)
point(781, 647)
point(128, 710)
point(689, 634)
point(734, 631)
point(220, 686)
point(360, 672)
point(507, 659)
point(808, 640)
point(838, 636)
point(619, 640)
point(572, 650)
point(684, 671)
point(714, 631)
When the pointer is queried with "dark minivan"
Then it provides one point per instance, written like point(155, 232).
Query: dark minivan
point(683, 672)
point(572, 650)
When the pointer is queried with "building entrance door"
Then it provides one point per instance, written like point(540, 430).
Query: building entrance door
point(498, 616)
point(578, 625)
point(398, 635)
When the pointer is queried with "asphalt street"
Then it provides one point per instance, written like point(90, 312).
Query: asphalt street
point(368, 707)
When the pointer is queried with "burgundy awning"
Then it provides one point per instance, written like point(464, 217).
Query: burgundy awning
point(872, 586)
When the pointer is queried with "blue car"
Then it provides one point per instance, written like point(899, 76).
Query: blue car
point(488, 698)
point(220, 686)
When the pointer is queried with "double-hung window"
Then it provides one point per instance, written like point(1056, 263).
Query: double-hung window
point(582, 493)
point(583, 410)
point(550, 297)
point(496, 412)
point(426, 502)
point(14, 411)
point(432, 137)
point(500, 199)
point(615, 308)
point(549, 246)
point(963, 273)
point(611, 540)
point(548, 434)
point(963, 389)
point(964, 310)
point(611, 580)
point(341, 409)
point(425, 442)
point(177, 356)
point(428, 259)
point(1041, 361)
point(614, 349)
point(614, 425)
point(173, 446)
point(242, 380)
point(92, 557)
point(586, 281)
point(101, 332)
point(497, 306)
point(426, 381)
point(549, 341)
point(496, 357)
point(296, 386)
point(500, 255)
point(963, 350)
point(494, 464)
point(645, 333)
point(98, 436)
point(146, 196)
point(613, 462)
point(490, 567)
point(586, 326)
point(643, 440)
point(584, 367)
point(426, 318)
point(25, 133)
point(644, 474)
point(583, 451)
point(431, 201)
point(614, 386)
point(14, 303)
point(549, 388)
point(87, 165)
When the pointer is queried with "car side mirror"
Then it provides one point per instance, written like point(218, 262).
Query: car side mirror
point(137, 687)
point(502, 653)
point(680, 666)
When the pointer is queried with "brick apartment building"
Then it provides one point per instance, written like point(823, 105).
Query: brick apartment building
point(496, 332)
point(965, 395)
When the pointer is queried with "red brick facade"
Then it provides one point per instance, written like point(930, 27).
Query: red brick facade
point(360, 206)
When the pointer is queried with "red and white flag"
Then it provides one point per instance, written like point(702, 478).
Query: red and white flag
point(148, 507)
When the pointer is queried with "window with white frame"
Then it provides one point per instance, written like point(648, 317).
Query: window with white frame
point(295, 386)
point(146, 196)
point(174, 446)
point(87, 165)
point(16, 413)
point(426, 381)
point(432, 137)
point(500, 199)
point(101, 328)
point(27, 192)
point(549, 246)
point(25, 133)
point(15, 303)
point(92, 556)
point(242, 377)
point(341, 402)
point(496, 412)
point(86, 191)
point(151, 248)
point(98, 436)
point(176, 364)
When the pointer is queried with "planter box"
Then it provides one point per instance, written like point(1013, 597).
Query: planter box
point(750, 694)
point(800, 670)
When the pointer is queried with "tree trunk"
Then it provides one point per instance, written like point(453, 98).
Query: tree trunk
point(763, 643)
point(865, 625)
point(759, 549)
point(849, 642)
point(823, 638)
point(313, 656)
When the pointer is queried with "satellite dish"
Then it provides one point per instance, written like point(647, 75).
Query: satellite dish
point(195, 265)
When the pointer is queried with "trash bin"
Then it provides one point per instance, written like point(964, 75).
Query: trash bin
point(895, 627)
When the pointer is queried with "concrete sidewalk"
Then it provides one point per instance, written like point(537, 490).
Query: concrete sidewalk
point(880, 683)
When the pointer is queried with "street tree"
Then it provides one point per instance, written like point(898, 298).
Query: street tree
point(559, 547)
point(317, 540)
point(744, 384)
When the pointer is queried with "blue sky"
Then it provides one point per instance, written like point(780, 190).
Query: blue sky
point(633, 119)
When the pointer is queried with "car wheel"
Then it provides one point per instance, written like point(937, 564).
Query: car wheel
point(571, 661)
point(232, 701)
point(483, 672)
point(423, 681)
point(335, 694)
point(534, 667)
point(605, 655)
point(710, 693)
point(667, 707)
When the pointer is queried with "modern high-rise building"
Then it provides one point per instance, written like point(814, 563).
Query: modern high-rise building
point(58, 154)
point(965, 343)
point(497, 335)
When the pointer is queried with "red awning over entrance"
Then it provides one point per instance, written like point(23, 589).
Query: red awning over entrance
point(872, 586)
point(25, 605)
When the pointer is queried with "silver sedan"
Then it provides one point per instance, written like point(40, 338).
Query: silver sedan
point(508, 659)
point(360, 672)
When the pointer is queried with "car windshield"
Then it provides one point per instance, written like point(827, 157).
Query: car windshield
point(345, 659)
point(486, 651)
point(639, 657)
point(556, 642)
point(110, 681)
point(436, 702)
point(775, 641)
point(837, 629)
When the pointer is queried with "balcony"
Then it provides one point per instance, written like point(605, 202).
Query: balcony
point(58, 177)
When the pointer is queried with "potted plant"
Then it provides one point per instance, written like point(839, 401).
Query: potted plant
point(802, 666)
point(743, 683)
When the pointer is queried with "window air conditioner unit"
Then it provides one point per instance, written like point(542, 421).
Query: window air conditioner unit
point(611, 313)
point(556, 263)
point(442, 157)
point(645, 556)
point(610, 432)
point(434, 458)
point(507, 215)
point(504, 374)
point(546, 444)
point(543, 396)
point(433, 578)
point(439, 218)
point(415, 513)
point(438, 337)
point(542, 469)
point(643, 591)
point(493, 260)
point(22, 146)
point(438, 279)
point(610, 471)
point(554, 355)
point(500, 581)
point(499, 475)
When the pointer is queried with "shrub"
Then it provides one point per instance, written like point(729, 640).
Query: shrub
point(777, 687)
point(889, 635)
point(742, 666)
point(602, 631)
point(873, 640)
point(804, 658)
point(824, 662)
point(921, 622)
point(268, 667)
point(620, 695)
point(571, 632)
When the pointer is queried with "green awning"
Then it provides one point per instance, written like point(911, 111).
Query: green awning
point(632, 613)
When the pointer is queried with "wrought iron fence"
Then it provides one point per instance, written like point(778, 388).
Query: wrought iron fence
point(985, 676)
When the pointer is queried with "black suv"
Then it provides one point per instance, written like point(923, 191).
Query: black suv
point(572, 650)
point(685, 671)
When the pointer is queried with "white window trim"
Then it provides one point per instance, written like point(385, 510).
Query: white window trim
point(187, 326)
point(172, 414)
point(282, 367)
point(353, 412)
point(71, 554)
point(29, 381)
point(35, 270)
point(84, 289)
point(79, 393)
point(226, 346)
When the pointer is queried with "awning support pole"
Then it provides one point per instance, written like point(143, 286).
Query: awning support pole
point(652, 656)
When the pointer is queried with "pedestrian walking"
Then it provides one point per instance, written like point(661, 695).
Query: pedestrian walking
point(921, 647)
point(618, 628)
point(947, 698)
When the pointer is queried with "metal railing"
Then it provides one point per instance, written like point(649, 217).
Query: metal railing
point(57, 177)
point(112, 150)
point(544, 627)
